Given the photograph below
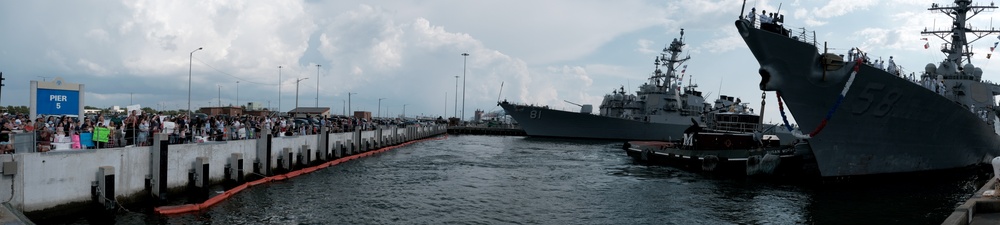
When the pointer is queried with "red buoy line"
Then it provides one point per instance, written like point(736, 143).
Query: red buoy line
point(186, 208)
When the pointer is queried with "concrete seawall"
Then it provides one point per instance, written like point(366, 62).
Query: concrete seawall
point(58, 180)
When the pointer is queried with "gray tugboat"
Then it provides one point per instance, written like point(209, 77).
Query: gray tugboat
point(730, 143)
point(864, 120)
point(660, 110)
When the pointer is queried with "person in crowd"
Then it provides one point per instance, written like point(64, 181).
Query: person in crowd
point(131, 123)
point(143, 132)
point(43, 136)
point(170, 128)
point(6, 129)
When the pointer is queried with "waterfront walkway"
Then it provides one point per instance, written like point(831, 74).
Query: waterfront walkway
point(47, 185)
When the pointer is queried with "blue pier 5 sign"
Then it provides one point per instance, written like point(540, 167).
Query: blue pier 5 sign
point(58, 102)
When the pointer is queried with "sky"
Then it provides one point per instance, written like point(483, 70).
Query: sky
point(408, 53)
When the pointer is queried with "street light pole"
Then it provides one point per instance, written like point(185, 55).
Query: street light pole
point(380, 107)
point(455, 114)
point(279, 90)
point(190, 57)
point(220, 96)
point(237, 93)
point(317, 85)
point(349, 101)
point(465, 59)
point(343, 107)
point(297, 91)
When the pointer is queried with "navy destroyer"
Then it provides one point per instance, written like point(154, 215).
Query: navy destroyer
point(863, 119)
point(660, 110)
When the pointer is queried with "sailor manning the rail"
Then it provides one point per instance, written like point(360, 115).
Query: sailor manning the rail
point(892, 67)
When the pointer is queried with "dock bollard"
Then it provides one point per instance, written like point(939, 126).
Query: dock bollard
point(350, 148)
point(158, 180)
point(287, 159)
point(338, 150)
point(262, 163)
point(304, 156)
point(236, 168)
point(106, 187)
point(201, 172)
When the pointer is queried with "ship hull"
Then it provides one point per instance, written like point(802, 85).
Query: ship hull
point(885, 124)
point(545, 122)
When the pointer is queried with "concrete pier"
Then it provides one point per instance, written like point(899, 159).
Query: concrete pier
point(58, 182)
point(979, 209)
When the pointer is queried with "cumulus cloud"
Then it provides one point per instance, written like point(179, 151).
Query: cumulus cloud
point(543, 52)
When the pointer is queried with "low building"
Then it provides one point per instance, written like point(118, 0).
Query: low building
point(225, 110)
point(302, 112)
point(363, 115)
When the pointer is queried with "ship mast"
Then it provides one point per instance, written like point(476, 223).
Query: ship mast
point(957, 45)
point(674, 62)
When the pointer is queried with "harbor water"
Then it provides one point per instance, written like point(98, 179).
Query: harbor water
point(466, 179)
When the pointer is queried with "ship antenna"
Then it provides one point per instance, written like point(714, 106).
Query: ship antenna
point(742, 8)
point(720, 83)
point(501, 91)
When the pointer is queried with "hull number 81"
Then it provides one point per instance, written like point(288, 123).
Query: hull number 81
point(535, 114)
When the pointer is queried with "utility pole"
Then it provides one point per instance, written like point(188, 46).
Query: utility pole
point(297, 91)
point(1, 83)
point(465, 59)
point(279, 90)
point(317, 85)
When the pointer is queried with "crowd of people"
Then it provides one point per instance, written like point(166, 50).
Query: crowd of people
point(138, 128)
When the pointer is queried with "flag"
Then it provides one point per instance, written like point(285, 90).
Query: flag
point(927, 45)
point(994, 45)
point(685, 68)
point(988, 55)
point(923, 39)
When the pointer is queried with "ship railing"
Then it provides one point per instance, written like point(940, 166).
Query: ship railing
point(735, 126)
point(805, 36)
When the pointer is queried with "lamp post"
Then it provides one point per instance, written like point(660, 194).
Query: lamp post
point(317, 85)
point(343, 107)
point(349, 101)
point(237, 93)
point(190, 57)
point(279, 90)
point(380, 107)
point(455, 114)
point(465, 59)
point(297, 91)
point(220, 96)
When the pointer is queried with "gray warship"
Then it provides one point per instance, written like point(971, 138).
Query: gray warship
point(865, 120)
point(660, 110)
